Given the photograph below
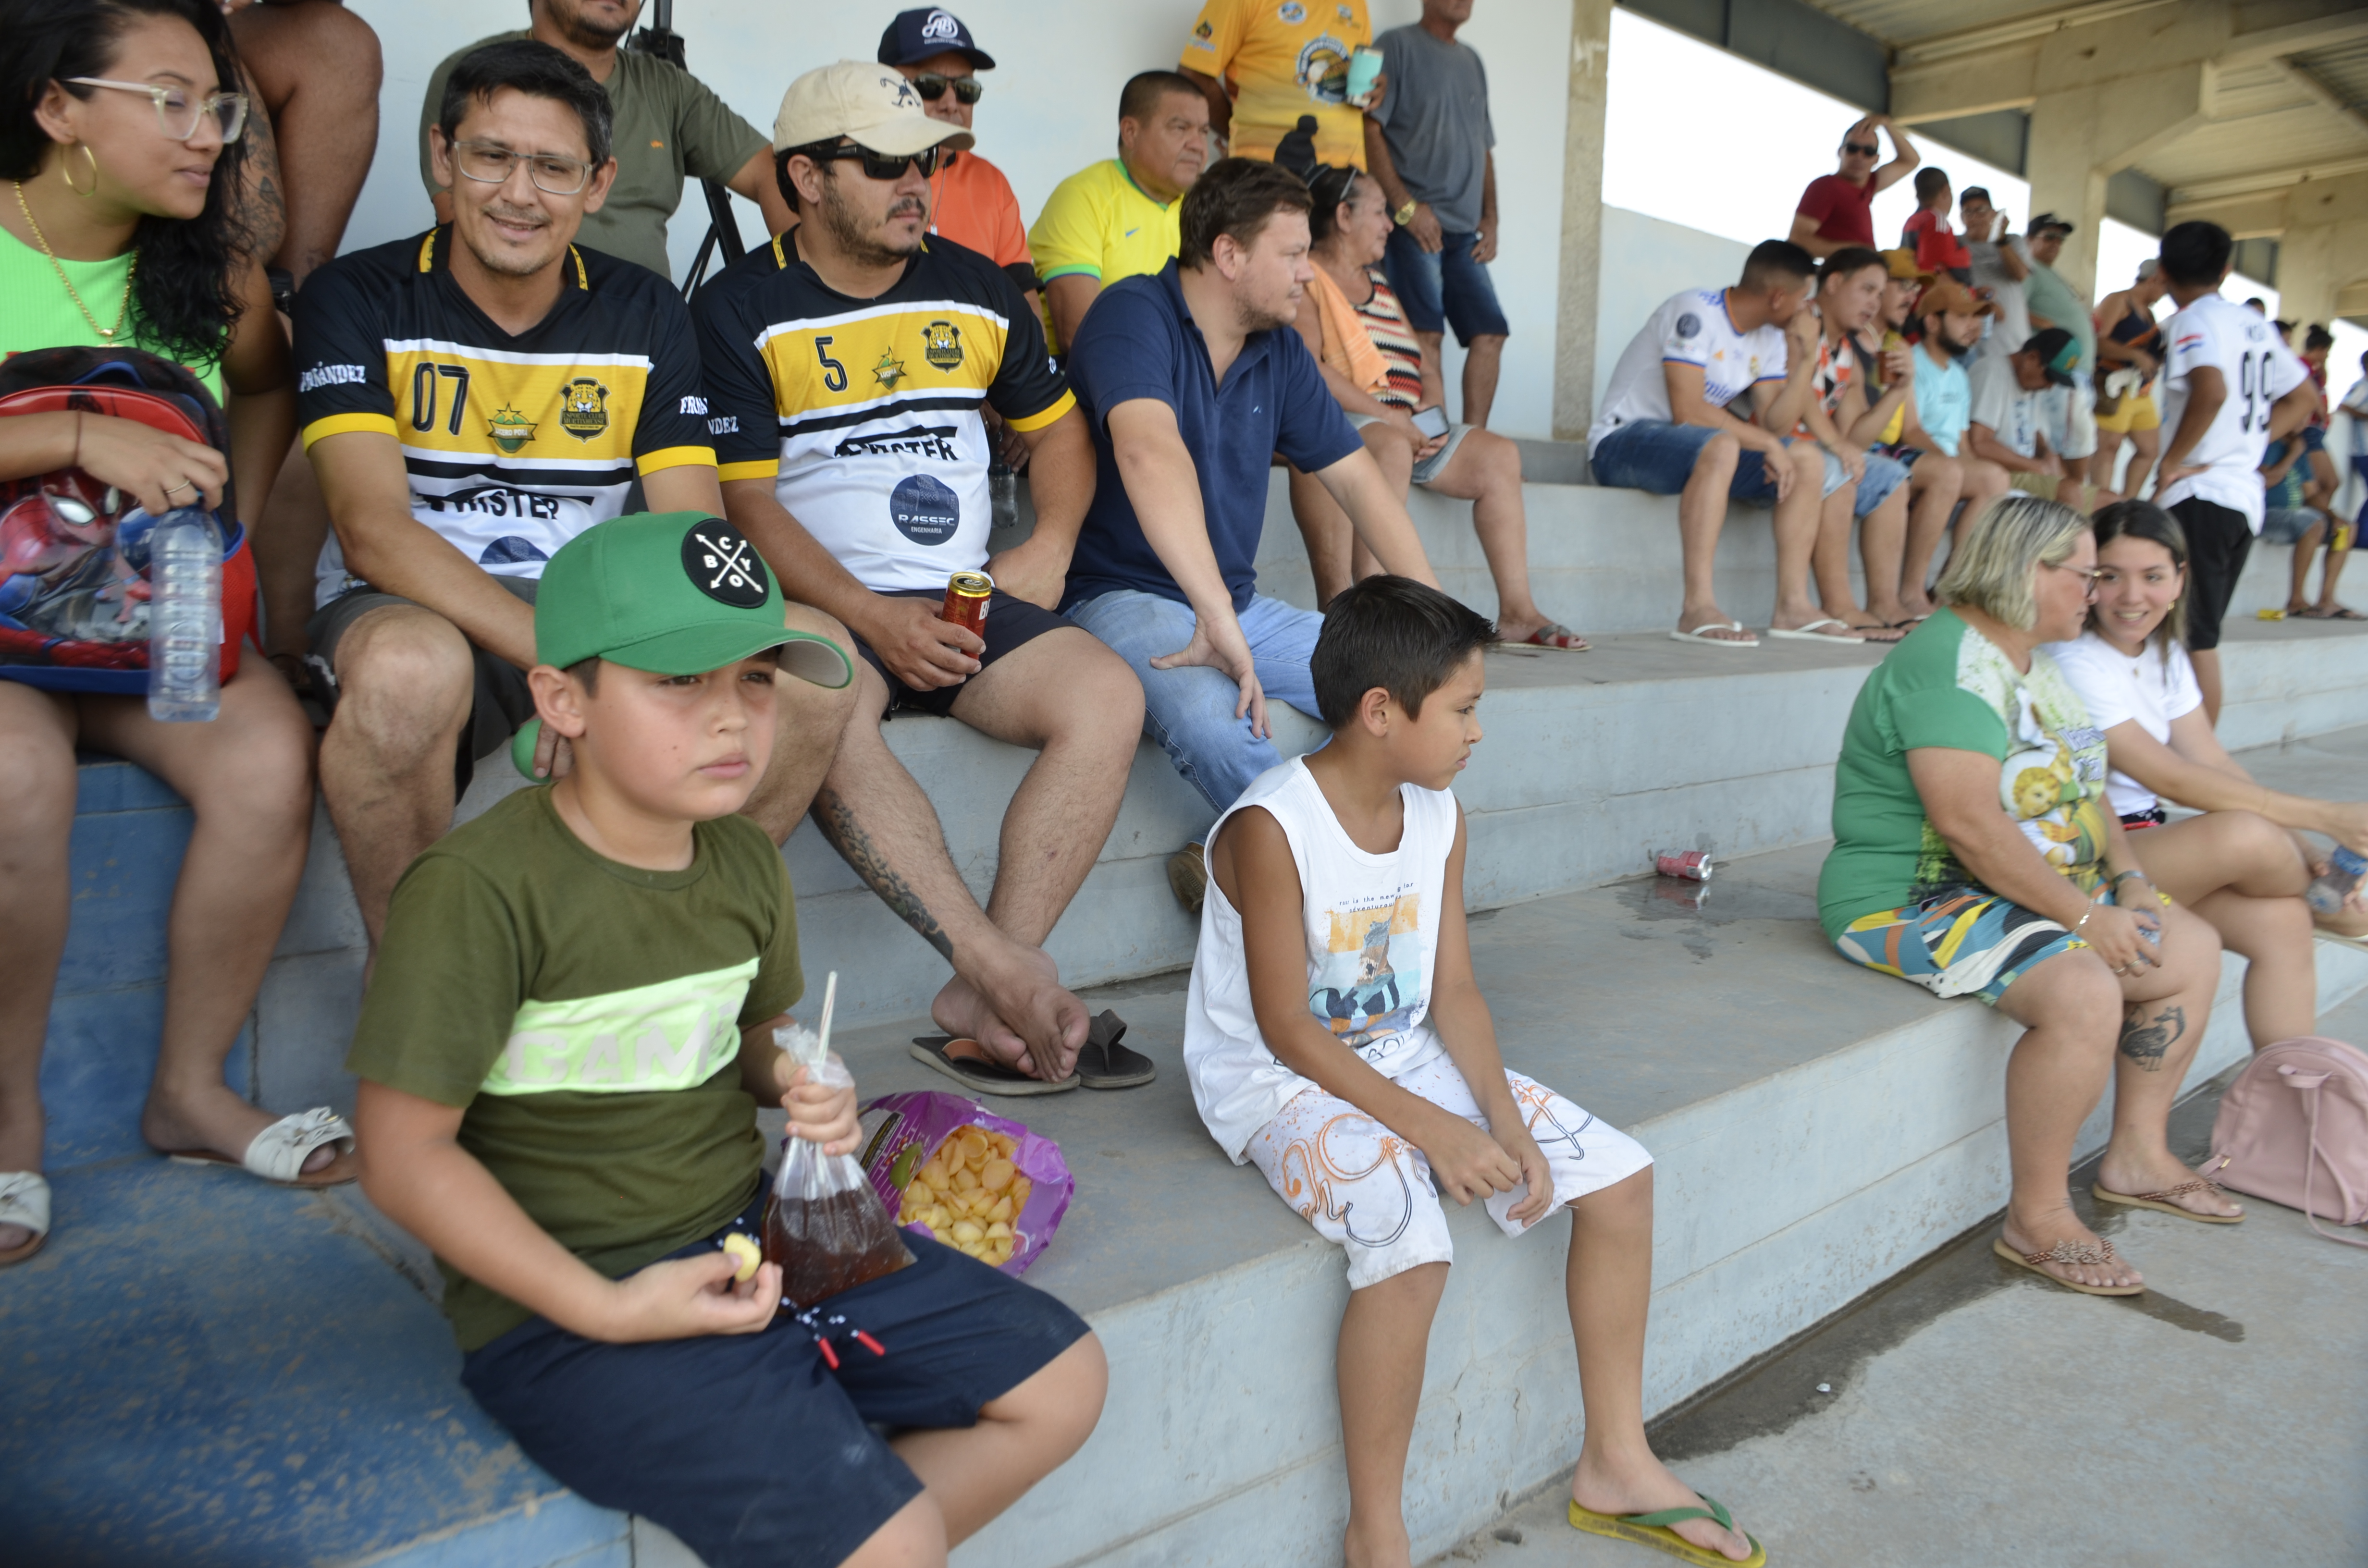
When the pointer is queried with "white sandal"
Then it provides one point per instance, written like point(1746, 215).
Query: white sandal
point(23, 1200)
point(279, 1152)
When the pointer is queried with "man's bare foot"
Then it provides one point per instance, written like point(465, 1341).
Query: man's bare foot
point(2135, 1176)
point(1638, 1482)
point(214, 1118)
point(2041, 1232)
point(1027, 988)
point(1712, 622)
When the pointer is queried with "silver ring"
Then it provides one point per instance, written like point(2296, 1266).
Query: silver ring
point(178, 484)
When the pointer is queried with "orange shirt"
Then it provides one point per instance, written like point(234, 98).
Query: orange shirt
point(971, 203)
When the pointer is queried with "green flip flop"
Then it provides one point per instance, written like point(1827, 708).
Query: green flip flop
point(1652, 1529)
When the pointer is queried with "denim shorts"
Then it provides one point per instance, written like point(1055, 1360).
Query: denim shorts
point(1657, 457)
point(1442, 287)
point(1883, 475)
point(2286, 525)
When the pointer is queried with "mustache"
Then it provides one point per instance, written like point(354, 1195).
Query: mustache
point(909, 207)
point(505, 214)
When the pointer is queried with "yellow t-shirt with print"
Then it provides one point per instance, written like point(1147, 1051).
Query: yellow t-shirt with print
point(1286, 58)
point(1099, 223)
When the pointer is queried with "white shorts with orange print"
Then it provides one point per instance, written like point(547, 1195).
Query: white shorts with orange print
point(1364, 1187)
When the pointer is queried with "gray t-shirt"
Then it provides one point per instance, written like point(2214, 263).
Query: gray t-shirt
point(2015, 416)
point(668, 127)
point(2012, 327)
point(1434, 119)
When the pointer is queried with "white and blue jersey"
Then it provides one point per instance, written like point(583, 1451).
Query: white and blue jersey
point(1692, 328)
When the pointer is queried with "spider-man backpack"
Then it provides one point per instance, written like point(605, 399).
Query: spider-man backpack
point(74, 549)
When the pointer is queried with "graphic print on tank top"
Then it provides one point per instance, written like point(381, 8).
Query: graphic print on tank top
point(1370, 988)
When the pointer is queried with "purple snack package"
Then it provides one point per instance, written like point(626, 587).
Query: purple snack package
point(902, 1131)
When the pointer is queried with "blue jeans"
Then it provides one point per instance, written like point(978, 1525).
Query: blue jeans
point(1656, 457)
point(1436, 288)
point(1883, 475)
point(1190, 711)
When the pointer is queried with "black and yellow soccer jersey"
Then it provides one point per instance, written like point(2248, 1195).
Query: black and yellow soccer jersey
point(865, 412)
point(514, 444)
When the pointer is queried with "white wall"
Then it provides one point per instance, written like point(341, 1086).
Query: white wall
point(1646, 260)
point(1050, 108)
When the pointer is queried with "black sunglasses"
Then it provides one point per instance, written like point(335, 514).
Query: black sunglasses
point(1868, 149)
point(932, 86)
point(878, 165)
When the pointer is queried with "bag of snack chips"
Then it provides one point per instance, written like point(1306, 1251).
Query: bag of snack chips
point(976, 1181)
point(824, 1224)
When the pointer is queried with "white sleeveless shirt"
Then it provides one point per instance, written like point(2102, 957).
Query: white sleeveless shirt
point(1372, 933)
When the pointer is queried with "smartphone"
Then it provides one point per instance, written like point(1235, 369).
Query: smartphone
point(1431, 421)
point(1364, 65)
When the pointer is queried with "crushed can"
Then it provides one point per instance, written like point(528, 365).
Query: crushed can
point(1693, 865)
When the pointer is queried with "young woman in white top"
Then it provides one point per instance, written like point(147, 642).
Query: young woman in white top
point(2242, 865)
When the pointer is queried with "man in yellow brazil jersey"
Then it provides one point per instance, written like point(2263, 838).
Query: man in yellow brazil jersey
point(472, 398)
point(1262, 65)
point(850, 363)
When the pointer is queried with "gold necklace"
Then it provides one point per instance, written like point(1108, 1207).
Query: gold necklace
point(107, 333)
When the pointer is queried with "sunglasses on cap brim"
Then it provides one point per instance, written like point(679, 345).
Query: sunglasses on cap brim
point(932, 86)
point(878, 165)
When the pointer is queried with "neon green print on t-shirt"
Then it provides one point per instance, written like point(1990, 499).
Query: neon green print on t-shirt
point(671, 1034)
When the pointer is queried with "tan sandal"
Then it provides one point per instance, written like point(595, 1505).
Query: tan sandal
point(2161, 1202)
point(2076, 1253)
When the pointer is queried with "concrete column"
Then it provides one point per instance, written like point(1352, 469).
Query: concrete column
point(2080, 137)
point(2321, 227)
point(1582, 219)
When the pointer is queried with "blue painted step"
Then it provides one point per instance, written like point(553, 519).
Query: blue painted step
point(130, 832)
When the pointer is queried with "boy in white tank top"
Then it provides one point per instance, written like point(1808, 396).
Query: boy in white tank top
point(1335, 1038)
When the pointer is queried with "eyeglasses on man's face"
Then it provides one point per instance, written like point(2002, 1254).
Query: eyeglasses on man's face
point(878, 165)
point(490, 163)
point(932, 86)
point(179, 111)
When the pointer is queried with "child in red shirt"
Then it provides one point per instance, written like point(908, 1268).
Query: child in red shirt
point(1937, 249)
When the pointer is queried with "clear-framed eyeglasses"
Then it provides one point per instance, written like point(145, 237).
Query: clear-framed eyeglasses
point(491, 164)
point(179, 111)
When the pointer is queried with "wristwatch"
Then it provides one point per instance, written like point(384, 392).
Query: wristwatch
point(1404, 215)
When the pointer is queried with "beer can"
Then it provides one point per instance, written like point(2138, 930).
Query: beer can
point(1693, 865)
point(966, 597)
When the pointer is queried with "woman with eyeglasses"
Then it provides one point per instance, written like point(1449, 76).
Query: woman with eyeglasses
point(2243, 864)
point(1974, 855)
point(1370, 360)
point(119, 142)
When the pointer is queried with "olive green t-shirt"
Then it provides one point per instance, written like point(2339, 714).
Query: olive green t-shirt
point(588, 1016)
point(669, 128)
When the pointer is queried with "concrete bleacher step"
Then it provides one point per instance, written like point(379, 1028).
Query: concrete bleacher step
point(217, 1372)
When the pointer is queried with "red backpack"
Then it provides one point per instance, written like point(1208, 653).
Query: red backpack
point(74, 549)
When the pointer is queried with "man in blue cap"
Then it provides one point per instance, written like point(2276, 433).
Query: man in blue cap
point(970, 201)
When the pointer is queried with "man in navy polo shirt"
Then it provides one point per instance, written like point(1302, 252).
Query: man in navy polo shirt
point(1190, 380)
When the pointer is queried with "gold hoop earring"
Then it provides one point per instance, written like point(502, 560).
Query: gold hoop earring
point(68, 177)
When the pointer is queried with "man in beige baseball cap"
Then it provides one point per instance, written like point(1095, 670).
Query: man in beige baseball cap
point(872, 105)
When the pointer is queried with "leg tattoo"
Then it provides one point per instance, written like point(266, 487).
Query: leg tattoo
point(837, 822)
point(2144, 1040)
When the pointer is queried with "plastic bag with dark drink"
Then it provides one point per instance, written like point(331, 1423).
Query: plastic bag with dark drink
point(825, 1223)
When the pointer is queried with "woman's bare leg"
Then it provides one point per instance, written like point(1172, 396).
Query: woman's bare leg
point(2071, 1008)
point(2246, 875)
point(37, 807)
point(2168, 1008)
point(1487, 472)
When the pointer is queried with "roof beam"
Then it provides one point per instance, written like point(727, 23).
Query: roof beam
point(1992, 36)
point(2307, 81)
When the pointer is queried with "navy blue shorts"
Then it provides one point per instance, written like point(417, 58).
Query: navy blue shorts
point(749, 1447)
point(1443, 287)
point(1011, 624)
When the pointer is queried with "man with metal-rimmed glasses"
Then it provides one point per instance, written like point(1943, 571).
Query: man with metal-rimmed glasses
point(851, 363)
point(471, 399)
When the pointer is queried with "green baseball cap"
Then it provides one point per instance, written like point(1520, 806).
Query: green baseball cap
point(672, 592)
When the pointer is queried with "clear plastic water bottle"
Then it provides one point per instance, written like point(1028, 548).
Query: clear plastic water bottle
point(184, 617)
point(1002, 493)
point(2344, 870)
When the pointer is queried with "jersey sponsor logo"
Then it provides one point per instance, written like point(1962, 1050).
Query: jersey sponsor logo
point(1346, 14)
point(1323, 66)
point(511, 430)
point(510, 551)
point(924, 510)
point(1293, 12)
point(925, 441)
point(943, 341)
point(583, 409)
point(890, 371)
point(320, 376)
point(722, 565)
point(493, 501)
point(1204, 32)
point(695, 406)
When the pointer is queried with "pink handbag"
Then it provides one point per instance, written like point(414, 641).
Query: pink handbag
point(2293, 1128)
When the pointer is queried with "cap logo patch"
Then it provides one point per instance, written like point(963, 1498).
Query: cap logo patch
point(724, 566)
point(905, 98)
point(940, 28)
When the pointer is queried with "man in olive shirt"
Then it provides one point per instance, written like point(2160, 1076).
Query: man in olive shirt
point(669, 128)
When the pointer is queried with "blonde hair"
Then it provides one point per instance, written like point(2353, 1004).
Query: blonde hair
point(2014, 536)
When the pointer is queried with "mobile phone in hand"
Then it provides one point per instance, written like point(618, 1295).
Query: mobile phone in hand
point(1431, 421)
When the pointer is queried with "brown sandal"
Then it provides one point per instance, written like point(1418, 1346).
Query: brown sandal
point(2162, 1200)
point(2078, 1253)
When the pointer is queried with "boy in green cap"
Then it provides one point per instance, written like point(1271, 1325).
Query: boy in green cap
point(562, 1054)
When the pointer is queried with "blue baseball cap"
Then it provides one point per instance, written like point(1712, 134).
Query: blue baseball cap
point(916, 35)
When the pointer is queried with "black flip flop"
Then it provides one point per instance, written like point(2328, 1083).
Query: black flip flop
point(967, 1062)
point(1104, 1063)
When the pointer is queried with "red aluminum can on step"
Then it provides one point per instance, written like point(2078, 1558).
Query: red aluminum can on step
point(966, 597)
point(1693, 865)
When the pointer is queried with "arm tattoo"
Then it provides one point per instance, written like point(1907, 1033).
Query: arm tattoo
point(2144, 1040)
point(836, 820)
